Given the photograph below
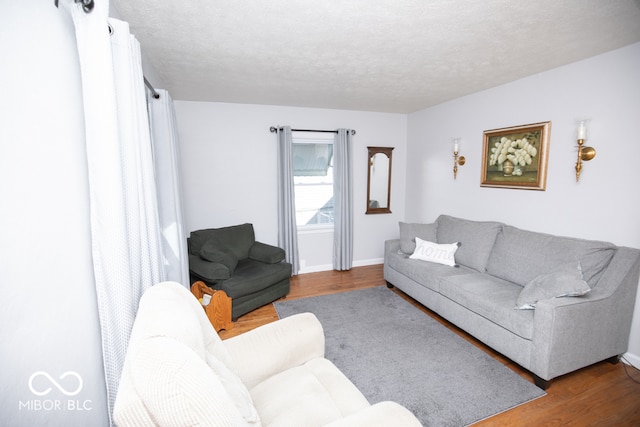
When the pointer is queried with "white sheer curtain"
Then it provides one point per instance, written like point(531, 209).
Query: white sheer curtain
point(124, 224)
point(164, 137)
point(343, 201)
point(287, 228)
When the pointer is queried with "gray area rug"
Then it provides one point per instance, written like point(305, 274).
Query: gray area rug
point(393, 351)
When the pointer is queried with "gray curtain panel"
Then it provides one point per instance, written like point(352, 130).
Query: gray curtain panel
point(287, 229)
point(343, 201)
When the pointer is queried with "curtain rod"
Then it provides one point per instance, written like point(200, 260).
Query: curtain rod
point(274, 129)
point(155, 94)
point(87, 6)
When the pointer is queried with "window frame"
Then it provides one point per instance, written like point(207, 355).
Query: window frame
point(313, 228)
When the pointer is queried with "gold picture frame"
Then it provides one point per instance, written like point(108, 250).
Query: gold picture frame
point(516, 157)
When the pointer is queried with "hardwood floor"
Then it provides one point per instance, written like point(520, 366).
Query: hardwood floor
point(599, 395)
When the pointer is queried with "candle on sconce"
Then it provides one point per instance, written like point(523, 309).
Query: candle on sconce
point(584, 153)
point(582, 130)
point(457, 160)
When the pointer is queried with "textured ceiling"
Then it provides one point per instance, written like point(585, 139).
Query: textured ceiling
point(370, 55)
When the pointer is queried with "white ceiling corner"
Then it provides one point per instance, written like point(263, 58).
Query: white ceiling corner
point(370, 55)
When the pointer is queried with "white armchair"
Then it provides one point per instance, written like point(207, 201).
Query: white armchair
point(179, 372)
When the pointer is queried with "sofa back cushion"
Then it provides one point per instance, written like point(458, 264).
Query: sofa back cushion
point(476, 239)
point(519, 256)
point(236, 240)
point(409, 232)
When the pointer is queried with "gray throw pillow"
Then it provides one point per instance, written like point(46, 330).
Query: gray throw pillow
point(409, 232)
point(566, 281)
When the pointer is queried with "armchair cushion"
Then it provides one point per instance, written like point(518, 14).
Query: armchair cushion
point(177, 370)
point(251, 276)
point(209, 271)
point(236, 239)
point(382, 414)
point(312, 394)
point(284, 344)
point(212, 252)
point(162, 363)
point(266, 253)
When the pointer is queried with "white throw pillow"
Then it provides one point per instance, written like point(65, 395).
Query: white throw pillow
point(434, 252)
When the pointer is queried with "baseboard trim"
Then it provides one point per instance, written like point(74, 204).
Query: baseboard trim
point(631, 359)
point(329, 267)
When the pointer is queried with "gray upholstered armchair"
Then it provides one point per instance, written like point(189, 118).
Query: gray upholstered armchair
point(251, 273)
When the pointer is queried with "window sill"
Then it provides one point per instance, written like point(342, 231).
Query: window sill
point(315, 229)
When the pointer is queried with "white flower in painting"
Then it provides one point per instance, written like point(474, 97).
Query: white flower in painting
point(520, 152)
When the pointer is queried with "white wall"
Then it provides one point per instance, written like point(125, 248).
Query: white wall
point(48, 320)
point(604, 205)
point(229, 166)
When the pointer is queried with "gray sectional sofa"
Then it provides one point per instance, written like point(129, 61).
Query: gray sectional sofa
point(498, 265)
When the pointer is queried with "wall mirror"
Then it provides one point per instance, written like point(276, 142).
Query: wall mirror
point(379, 180)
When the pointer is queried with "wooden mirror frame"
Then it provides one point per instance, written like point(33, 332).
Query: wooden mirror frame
point(372, 152)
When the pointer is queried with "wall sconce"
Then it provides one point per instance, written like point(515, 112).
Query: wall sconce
point(457, 160)
point(584, 153)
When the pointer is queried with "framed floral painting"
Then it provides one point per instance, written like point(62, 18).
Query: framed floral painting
point(516, 157)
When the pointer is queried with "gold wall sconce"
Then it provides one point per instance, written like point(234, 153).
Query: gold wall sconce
point(584, 153)
point(457, 160)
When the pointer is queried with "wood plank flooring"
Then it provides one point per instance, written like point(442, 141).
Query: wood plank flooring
point(599, 395)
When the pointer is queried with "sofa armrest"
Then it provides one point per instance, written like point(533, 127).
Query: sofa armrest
point(276, 347)
point(207, 270)
point(570, 333)
point(266, 253)
point(381, 414)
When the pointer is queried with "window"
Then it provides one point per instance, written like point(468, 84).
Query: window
point(313, 182)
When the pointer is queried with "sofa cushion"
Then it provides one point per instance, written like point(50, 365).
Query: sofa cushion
point(213, 253)
point(519, 256)
point(439, 253)
point(565, 281)
point(490, 298)
point(310, 395)
point(427, 274)
point(409, 231)
point(476, 239)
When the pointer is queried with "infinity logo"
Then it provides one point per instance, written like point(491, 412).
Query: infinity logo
point(55, 383)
